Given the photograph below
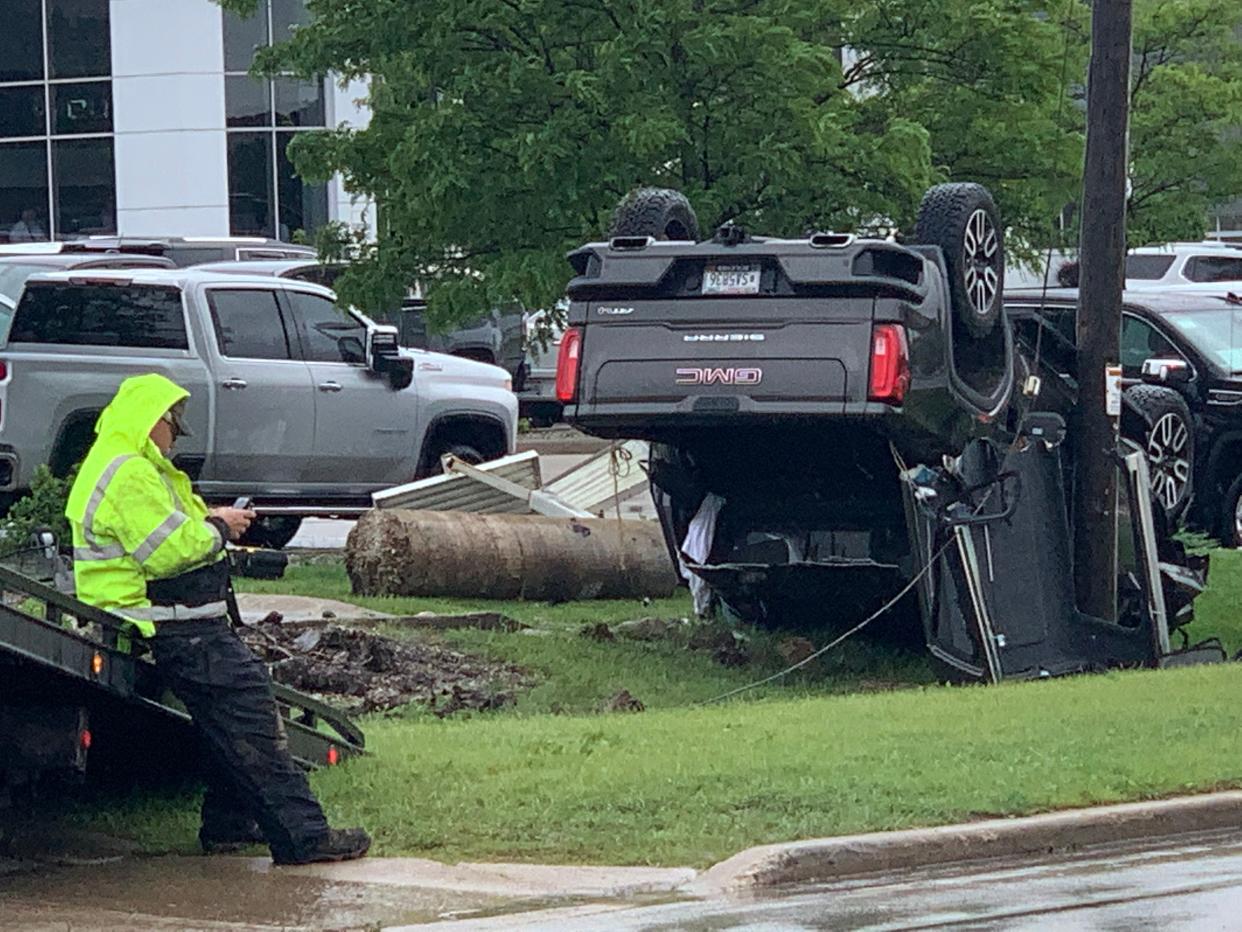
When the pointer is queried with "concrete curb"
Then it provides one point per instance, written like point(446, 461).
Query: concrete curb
point(833, 858)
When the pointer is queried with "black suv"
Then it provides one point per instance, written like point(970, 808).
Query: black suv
point(1182, 377)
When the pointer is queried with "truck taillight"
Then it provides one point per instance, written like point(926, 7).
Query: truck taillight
point(4, 370)
point(567, 365)
point(890, 364)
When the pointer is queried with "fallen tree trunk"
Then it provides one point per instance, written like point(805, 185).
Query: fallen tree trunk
point(441, 553)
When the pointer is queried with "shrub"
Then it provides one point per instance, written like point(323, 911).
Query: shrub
point(44, 507)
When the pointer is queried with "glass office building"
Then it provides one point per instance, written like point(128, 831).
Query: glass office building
point(138, 117)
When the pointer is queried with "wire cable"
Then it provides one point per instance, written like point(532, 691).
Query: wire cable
point(831, 644)
point(33, 548)
point(931, 562)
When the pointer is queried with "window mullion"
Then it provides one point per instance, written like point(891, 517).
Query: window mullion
point(271, 97)
point(47, 125)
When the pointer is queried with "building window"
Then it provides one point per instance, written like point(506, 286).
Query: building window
point(57, 176)
point(266, 196)
point(83, 187)
point(21, 41)
point(251, 182)
point(78, 38)
point(81, 108)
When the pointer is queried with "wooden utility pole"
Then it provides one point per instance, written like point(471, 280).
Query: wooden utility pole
point(1101, 280)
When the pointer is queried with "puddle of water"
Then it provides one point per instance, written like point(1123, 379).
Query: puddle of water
point(231, 890)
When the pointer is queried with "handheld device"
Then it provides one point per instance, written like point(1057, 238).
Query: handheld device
point(245, 503)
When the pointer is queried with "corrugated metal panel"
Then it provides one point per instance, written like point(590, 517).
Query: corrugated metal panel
point(453, 492)
point(590, 486)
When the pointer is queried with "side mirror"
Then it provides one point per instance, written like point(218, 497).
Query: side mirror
point(1171, 371)
point(383, 355)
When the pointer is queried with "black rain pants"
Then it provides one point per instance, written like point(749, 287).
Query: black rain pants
point(251, 777)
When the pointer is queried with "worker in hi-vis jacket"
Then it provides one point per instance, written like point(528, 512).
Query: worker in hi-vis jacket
point(147, 548)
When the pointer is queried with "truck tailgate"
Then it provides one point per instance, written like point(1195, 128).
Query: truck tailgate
point(766, 352)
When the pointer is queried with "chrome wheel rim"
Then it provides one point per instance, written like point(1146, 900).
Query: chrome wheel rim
point(981, 255)
point(1237, 522)
point(1168, 448)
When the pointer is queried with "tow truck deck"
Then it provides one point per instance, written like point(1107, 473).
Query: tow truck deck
point(77, 699)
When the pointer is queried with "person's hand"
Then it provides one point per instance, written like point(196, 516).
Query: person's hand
point(238, 519)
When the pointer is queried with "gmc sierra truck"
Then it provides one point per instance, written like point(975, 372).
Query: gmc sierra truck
point(295, 401)
point(841, 432)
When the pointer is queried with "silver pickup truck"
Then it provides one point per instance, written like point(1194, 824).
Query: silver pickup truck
point(303, 405)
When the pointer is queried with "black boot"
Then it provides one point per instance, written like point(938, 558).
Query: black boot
point(340, 844)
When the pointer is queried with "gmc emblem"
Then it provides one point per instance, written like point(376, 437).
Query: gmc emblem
point(713, 376)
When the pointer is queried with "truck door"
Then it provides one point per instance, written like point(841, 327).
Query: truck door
point(364, 429)
point(265, 401)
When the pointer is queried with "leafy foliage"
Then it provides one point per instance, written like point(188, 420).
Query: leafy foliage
point(503, 133)
point(44, 507)
point(1186, 115)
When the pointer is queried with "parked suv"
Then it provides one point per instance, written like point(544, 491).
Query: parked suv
point(304, 405)
point(494, 337)
point(537, 397)
point(1177, 264)
point(1181, 359)
point(182, 250)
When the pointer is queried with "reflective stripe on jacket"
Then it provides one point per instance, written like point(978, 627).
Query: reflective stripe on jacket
point(134, 515)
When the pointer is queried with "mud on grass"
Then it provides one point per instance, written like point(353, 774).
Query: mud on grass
point(571, 673)
point(361, 671)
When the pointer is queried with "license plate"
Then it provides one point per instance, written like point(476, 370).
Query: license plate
point(731, 279)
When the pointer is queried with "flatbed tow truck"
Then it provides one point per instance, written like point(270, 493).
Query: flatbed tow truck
point(77, 701)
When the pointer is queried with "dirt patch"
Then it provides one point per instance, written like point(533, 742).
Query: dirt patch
point(361, 671)
point(624, 702)
point(596, 631)
point(728, 646)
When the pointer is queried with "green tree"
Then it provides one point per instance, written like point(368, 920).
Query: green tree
point(1186, 116)
point(504, 131)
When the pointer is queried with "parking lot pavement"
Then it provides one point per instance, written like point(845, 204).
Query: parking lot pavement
point(322, 533)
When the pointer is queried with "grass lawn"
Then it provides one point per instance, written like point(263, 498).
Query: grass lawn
point(690, 784)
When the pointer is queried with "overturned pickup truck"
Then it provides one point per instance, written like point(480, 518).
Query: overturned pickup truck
point(790, 388)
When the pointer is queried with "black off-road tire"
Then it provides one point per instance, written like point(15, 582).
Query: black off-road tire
point(963, 221)
point(272, 532)
point(660, 213)
point(1169, 442)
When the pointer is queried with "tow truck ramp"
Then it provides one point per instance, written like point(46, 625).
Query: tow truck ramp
point(75, 697)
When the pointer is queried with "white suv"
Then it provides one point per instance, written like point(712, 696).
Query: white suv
point(1180, 264)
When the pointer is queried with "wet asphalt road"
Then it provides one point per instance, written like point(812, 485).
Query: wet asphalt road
point(1173, 887)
